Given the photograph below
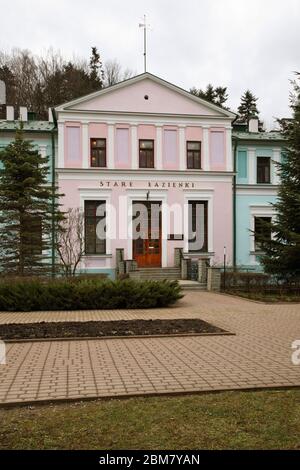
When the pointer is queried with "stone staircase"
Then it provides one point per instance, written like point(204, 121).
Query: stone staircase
point(156, 274)
point(170, 274)
point(192, 285)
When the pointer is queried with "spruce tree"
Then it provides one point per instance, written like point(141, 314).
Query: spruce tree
point(282, 252)
point(28, 210)
point(96, 69)
point(221, 96)
point(248, 106)
point(217, 95)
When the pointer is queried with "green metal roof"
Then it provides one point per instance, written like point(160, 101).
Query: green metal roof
point(29, 126)
point(259, 136)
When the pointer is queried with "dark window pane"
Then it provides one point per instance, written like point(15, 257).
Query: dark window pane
point(98, 152)
point(146, 144)
point(94, 244)
point(146, 153)
point(262, 231)
point(193, 145)
point(197, 161)
point(263, 170)
point(198, 226)
point(194, 155)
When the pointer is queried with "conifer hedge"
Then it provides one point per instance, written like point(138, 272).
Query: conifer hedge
point(85, 294)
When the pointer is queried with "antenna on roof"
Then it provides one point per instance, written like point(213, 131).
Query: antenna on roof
point(145, 26)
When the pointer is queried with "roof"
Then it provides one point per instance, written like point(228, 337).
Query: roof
point(29, 126)
point(138, 78)
point(259, 136)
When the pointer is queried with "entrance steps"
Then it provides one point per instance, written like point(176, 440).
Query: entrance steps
point(156, 274)
point(192, 285)
point(170, 274)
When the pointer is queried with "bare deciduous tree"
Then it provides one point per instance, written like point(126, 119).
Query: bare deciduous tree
point(40, 82)
point(113, 73)
point(70, 241)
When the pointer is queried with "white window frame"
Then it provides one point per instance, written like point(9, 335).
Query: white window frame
point(258, 211)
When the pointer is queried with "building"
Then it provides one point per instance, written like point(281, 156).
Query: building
point(154, 164)
point(168, 176)
point(255, 189)
point(43, 135)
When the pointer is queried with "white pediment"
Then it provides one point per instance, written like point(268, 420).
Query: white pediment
point(145, 93)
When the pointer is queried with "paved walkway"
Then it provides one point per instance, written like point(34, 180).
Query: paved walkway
point(259, 355)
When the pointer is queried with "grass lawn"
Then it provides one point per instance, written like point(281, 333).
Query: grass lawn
point(236, 420)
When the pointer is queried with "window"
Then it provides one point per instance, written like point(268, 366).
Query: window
point(146, 152)
point(263, 169)
point(98, 152)
point(31, 235)
point(198, 226)
point(262, 231)
point(193, 155)
point(242, 164)
point(94, 213)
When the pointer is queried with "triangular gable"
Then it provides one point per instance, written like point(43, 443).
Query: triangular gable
point(130, 96)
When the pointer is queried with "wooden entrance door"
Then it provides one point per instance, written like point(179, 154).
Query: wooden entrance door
point(147, 246)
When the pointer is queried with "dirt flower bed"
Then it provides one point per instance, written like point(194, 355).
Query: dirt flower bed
point(98, 329)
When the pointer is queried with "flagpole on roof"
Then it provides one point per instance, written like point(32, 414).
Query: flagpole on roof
point(145, 26)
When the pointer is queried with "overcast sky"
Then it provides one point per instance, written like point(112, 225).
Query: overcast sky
point(240, 44)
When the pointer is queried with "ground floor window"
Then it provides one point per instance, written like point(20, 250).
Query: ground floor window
point(94, 227)
point(32, 235)
point(198, 226)
point(262, 231)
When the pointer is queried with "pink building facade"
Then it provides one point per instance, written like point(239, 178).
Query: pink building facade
point(159, 163)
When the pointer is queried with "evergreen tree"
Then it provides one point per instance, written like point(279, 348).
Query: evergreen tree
point(216, 95)
point(96, 69)
point(248, 106)
point(9, 79)
point(282, 252)
point(28, 210)
point(221, 96)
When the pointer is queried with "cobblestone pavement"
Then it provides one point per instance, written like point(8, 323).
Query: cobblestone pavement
point(259, 355)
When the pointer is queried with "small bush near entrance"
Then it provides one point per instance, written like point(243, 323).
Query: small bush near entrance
point(83, 294)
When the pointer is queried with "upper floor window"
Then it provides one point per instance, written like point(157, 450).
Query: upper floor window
point(98, 152)
point(263, 170)
point(262, 231)
point(193, 155)
point(95, 237)
point(146, 153)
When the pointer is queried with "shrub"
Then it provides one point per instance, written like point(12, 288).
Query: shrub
point(83, 294)
point(238, 279)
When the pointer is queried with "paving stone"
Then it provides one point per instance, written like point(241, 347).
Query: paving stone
point(259, 355)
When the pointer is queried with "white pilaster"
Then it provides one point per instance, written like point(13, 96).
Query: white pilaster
point(61, 145)
point(85, 145)
point(111, 147)
point(43, 150)
point(229, 160)
point(182, 149)
point(134, 147)
point(252, 165)
point(275, 173)
point(159, 164)
point(205, 152)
